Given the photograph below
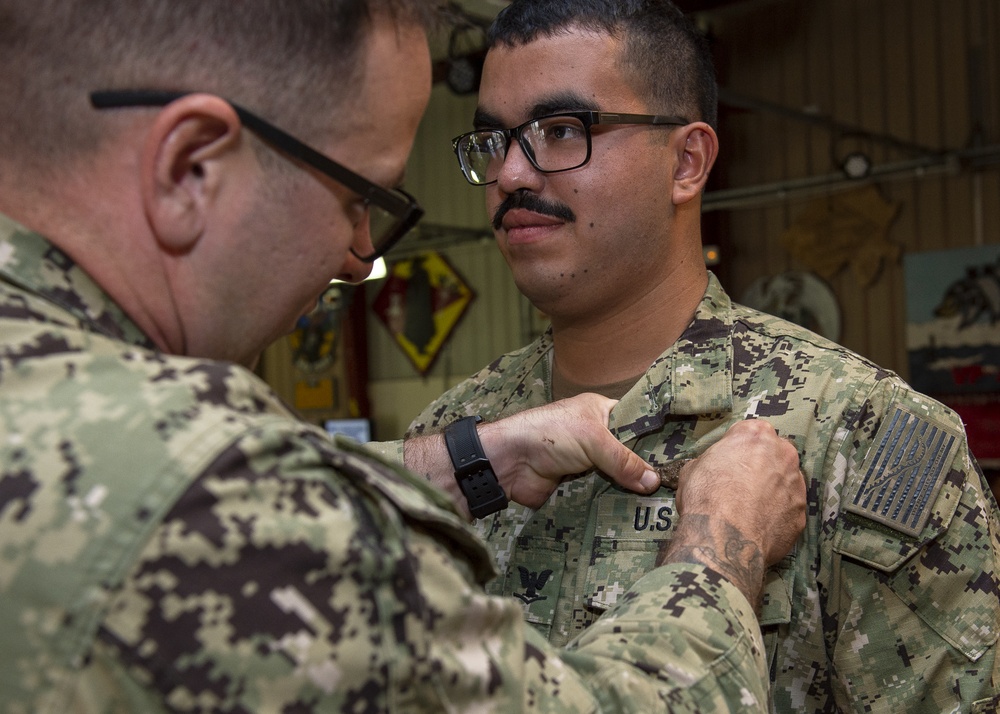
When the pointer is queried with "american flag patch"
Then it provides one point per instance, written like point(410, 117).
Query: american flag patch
point(903, 472)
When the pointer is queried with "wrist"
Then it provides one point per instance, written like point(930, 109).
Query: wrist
point(720, 546)
point(473, 470)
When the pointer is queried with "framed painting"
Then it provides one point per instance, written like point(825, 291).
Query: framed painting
point(953, 337)
point(420, 304)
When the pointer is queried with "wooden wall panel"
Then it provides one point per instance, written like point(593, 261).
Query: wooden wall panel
point(433, 175)
point(890, 67)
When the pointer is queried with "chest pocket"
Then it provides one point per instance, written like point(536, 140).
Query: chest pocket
point(776, 603)
point(629, 533)
point(946, 574)
point(535, 578)
point(776, 611)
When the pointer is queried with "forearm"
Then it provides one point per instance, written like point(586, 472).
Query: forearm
point(428, 457)
point(717, 544)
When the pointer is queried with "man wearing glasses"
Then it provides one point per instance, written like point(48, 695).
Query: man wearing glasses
point(171, 537)
point(594, 136)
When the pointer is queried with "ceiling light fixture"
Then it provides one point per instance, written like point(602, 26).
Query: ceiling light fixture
point(856, 165)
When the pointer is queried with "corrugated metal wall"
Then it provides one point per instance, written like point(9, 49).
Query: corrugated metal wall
point(925, 72)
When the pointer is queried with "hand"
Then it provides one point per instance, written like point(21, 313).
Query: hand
point(533, 451)
point(742, 505)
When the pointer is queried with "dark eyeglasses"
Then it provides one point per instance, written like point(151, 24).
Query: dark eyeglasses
point(559, 142)
point(392, 212)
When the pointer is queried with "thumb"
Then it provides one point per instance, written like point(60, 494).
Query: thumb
point(626, 468)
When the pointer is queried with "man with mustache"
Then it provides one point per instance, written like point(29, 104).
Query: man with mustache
point(594, 136)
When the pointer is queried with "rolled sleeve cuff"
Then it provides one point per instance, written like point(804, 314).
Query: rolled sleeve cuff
point(692, 630)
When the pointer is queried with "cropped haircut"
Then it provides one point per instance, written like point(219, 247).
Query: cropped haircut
point(667, 58)
point(289, 60)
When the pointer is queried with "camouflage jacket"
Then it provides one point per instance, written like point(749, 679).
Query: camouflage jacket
point(172, 539)
point(890, 601)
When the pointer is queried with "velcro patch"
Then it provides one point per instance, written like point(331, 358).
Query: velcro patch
point(903, 472)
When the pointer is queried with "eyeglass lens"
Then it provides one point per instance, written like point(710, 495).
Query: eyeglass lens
point(554, 143)
point(384, 228)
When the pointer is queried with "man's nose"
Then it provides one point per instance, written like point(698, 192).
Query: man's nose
point(517, 171)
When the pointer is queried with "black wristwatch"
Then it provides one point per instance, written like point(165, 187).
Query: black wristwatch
point(473, 470)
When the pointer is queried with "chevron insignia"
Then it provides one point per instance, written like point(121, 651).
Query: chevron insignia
point(903, 472)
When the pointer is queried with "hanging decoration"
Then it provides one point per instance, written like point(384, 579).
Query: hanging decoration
point(799, 297)
point(845, 229)
point(308, 368)
point(420, 304)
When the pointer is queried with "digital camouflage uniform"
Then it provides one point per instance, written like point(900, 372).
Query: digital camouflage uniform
point(889, 602)
point(171, 539)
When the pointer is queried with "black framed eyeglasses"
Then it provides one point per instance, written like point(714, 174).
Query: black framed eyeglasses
point(391, 212)
point(559, 142)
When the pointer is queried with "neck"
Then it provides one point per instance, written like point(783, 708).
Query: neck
point(129, 276)
point(628, 340)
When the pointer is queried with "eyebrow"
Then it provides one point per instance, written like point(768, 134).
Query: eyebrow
point(553, 104)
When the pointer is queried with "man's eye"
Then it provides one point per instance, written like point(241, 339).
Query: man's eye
point(563, 132)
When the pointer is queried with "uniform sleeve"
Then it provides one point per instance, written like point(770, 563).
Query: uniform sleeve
point(682, 637)
point(916, 555)
point(294, 576)
point(388, 450)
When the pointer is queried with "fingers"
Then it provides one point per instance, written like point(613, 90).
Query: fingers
point(605, 452)
point(534, 450)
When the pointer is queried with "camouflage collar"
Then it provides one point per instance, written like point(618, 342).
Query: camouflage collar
point(694, 376)
point(35, 265)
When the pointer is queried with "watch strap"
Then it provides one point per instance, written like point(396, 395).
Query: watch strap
point(473, 469)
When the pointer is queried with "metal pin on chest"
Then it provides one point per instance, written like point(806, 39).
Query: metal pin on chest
point(670, 473)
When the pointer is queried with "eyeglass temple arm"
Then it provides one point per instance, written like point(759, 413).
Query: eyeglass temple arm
point(616, 118)
point(283, 141)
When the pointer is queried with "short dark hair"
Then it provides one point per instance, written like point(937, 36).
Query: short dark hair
point(666, 55)
point(287, 59)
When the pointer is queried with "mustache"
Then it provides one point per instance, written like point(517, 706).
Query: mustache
point(533, 203)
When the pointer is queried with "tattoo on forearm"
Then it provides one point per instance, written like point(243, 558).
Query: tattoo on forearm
point(723, 548)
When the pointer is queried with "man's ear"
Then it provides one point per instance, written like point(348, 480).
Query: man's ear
point(697, 147)
point(183, 163)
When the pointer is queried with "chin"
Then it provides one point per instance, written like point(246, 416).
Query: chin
point(547, 301)
point(251, 362)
